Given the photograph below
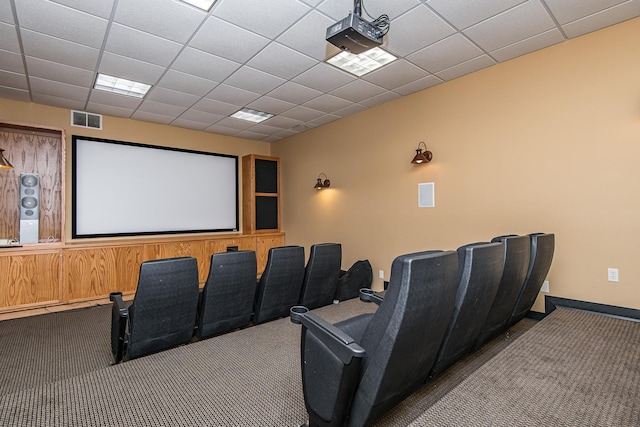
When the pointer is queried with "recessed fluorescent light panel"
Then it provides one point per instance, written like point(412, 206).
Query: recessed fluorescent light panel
point(201, 4)
point(121, 86)
point(251, 115)
point(363, 63)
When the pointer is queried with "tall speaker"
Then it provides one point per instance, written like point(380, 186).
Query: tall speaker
point(29, 207)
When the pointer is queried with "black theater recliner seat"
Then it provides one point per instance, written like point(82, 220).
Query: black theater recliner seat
point(226, 301)
point(542, 248)
point(517, 250)
point(480, 270)
point(163, 312)
point(280, 283)
point(353, 372)
point(321, 275)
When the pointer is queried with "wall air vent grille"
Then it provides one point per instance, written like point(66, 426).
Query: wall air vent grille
point(86, 120)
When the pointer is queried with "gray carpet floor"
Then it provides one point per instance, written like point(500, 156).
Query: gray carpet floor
point(55, 372)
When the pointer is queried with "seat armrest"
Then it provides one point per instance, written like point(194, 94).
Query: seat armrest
point(367, 295)
point(341, 344)
point(119, 318)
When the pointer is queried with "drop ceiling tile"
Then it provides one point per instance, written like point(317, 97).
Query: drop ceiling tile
point(468, 67)
point(201, 117)
point(6, 12)
point(613, 15)
point(357, 91)
point(232, 95)
point(100, 8)
point(153, 16)
point(14, 80)
point(143, 46)
point(226, 40)
point(9, 38)
point(324, 78)
point(109, 110)
point(264, 128)
point(221, 130)
point(531, 44)
point(571, 10)
point(294, 93)
point(237, 124)
point(395, 74)
point(254, 80)
point(312, 2)
point(339, 9)
point(129, 68)
point(153, 118)
point(53, 88)
point(168, 96)
point(189, 124)
point(350, 110)
point(282, 122)
point(418, 85)
point(327, 103)
point(215, 107)
point(57, 50)
point(325, 119)
point(270, 105)
point(464, 13)
point(259, 17)
point(11, 61)
point(205, 65)
point(308, 35)
point(445, 53)
point(56, 101)
point(114, 99)
point(13, 93)
point(380, 99)
point(160, 108)
point(187, 83)
point(59, 72)
point(512, 26)
point(251, 134)
point(303, 114)
point(281, 61)
point(46, 17)
point(272, 138)
point(412, 31)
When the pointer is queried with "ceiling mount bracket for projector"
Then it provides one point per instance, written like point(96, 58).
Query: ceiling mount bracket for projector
point(355, 34)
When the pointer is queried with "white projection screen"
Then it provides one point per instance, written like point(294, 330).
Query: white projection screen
point(127, 189)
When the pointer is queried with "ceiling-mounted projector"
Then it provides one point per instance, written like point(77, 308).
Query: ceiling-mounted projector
point(354, 34)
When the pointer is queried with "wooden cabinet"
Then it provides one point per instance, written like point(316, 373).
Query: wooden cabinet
point(263, 244)
point(29, 279)
point(260, 194)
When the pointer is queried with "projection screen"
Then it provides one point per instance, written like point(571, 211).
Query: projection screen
point(124, 189)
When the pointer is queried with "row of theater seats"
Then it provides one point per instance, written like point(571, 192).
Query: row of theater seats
point(169, 309)
point(439, 306)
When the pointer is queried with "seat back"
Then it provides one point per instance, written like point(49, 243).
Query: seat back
point(403, 336)
point(321, 275)
point(480, 270)
point(542, 248)
point(280, 283)
point(359, 275)
point(227, 298)
point(163, 313)
point(517, 251)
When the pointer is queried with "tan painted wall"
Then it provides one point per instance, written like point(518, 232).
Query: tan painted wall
point(546, 142)
point(124, 130)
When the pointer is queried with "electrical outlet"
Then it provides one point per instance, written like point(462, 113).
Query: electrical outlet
point(613, 275)
point(545, 286)
point(381, 274)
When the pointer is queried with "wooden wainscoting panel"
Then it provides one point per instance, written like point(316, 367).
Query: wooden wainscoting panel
point(93, 273)
point(182, 248)
point(29, 279)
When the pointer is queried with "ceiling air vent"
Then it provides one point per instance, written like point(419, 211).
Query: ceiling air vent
point(86, 120)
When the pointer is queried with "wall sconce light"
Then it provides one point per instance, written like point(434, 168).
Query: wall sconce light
point(4, 163)
point(422, 156)
point(322, 184)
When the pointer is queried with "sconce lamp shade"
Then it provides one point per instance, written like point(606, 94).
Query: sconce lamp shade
point(422, 156)
point(320, 184)
point(4, 163)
